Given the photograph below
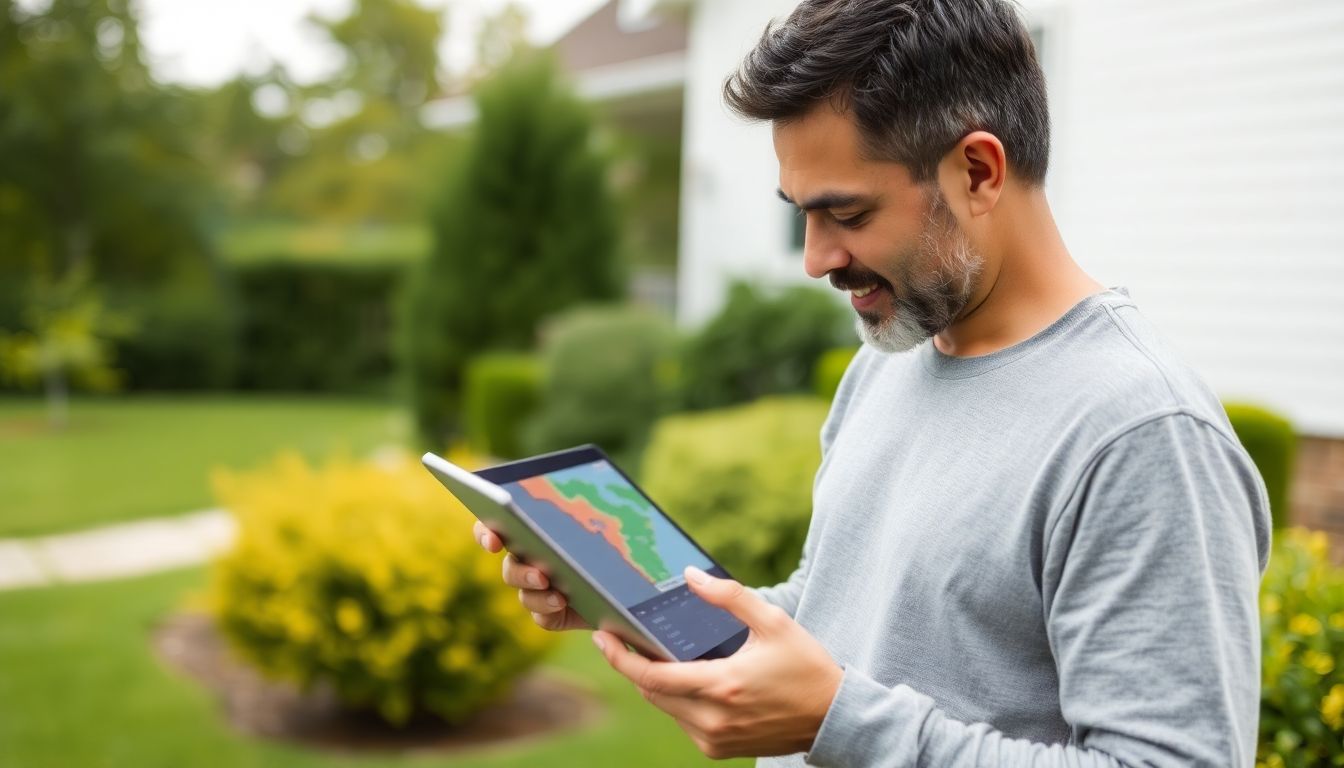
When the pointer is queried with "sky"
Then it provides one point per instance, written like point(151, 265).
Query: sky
point(201, 42)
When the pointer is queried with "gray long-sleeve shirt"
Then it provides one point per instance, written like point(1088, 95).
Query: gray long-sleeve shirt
point(1044, 556)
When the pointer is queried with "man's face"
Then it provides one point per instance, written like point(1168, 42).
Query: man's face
point(892, 243)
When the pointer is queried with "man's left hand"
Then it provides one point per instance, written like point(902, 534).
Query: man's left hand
point(768, 698)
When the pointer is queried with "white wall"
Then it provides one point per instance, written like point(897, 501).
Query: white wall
point(1198, 160)
point(732, 224)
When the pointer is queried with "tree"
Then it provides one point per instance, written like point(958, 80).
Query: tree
point(525, 227)
point(67, 341)
point(99, 175)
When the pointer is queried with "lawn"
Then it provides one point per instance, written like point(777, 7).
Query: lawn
point(133, 457)
point(80, 686)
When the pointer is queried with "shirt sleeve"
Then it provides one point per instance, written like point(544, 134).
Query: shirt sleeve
point(1149, 583)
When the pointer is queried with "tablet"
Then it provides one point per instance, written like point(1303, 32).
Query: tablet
point(603, 544)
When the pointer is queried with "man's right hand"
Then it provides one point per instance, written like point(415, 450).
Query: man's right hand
point(550, 609)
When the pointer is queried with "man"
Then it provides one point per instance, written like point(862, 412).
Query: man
point(1035, 539)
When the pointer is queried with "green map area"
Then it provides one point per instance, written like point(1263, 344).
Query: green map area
point(635, 527)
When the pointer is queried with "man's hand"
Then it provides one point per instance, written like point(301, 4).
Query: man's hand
point(550, 609)
point(769, 698)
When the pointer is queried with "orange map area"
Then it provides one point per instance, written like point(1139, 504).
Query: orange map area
point(591, 519)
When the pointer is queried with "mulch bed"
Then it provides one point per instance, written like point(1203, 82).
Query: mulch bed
point(256, 706)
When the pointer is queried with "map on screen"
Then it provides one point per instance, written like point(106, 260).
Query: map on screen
point(611, 527)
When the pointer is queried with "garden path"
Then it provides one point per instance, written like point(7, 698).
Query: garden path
point(115, 551)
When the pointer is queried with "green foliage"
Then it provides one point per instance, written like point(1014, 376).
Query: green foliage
point(66, 339)
point(829, 370)
point(1272, 444)
point(739, 480)
point(96, 166)
point(347, 575)
point(609, 373)
point(99, 176)
point(762, 344)
point(186, 338)
point(525, 227)
point(1302, 631)
point(502, 392)
point(320, 326)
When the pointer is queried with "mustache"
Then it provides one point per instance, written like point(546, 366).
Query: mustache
point(849, 278)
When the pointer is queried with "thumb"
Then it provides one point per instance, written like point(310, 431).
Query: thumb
point(734, 598)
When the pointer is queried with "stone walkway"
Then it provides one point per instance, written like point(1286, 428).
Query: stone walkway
point(115, 551)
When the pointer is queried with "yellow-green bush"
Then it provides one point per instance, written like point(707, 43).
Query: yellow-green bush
point(364, 577)
point(1270, 440)
point(829, 370)
point(1302, 626)
point(739, 480)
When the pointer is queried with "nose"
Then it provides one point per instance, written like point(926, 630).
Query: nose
point(821, 252)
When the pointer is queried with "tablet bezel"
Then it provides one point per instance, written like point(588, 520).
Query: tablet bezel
point(546, 463)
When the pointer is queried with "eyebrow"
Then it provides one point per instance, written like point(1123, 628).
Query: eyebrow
point(825, 200)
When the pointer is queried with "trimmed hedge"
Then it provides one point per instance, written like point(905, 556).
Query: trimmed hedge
point(183, 338)
point(609, 373)
point(739, 480)
point(502, 391)
point(316, 326)
point(1272, 444)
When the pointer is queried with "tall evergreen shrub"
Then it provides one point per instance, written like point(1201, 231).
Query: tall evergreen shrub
point(525, 226)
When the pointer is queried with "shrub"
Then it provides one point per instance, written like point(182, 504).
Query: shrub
point(185, 337)
point(830, 368)
point(1269, 439)
point(608, 375)
point(365, 578)
point(525, 227)
point(1302, 631)
point(319, 326)
point(739, 480)
point(762, 344)
point(502, 392)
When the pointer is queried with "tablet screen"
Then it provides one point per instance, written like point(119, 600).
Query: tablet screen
point(621, 539)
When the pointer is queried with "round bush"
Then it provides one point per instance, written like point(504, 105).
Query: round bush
point(364, 577)
point(739, 480)
point(830, 369)
point(609, 373)
point(1272, 444)
point(1302, 631)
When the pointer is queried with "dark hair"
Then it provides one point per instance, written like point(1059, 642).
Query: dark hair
point(918, 75)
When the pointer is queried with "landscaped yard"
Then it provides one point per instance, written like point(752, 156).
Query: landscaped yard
point(133, 457)
point(81, 687)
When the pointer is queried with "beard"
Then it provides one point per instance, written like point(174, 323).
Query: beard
point(937, 278)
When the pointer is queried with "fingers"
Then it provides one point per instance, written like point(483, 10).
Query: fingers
point(523, 576)
point(560, 620)
point(486, 538)
point(749, 608)
point(655, 678)
point(542, 600)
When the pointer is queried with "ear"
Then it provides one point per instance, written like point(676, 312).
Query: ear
point(972, 173)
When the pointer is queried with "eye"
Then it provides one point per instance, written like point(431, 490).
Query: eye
point(851, 222)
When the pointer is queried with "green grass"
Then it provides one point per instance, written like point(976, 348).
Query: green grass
point(134, 457)
point(79, 685)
